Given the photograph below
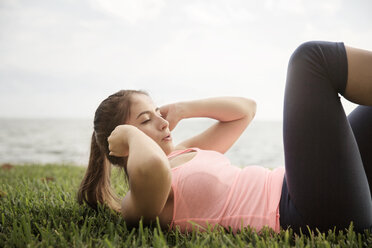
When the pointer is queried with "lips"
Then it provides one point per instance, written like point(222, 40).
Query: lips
point(167, 138)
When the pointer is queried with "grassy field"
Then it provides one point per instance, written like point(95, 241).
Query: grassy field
point(38, 208)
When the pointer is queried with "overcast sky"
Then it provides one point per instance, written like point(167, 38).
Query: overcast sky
point(61, 58)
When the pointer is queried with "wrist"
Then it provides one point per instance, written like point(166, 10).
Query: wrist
point(127, 133)
point(182, 110)
point(131, 132)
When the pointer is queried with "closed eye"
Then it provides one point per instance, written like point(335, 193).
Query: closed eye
point(144, 122)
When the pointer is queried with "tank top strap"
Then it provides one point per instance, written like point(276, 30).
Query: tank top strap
point(178, 152)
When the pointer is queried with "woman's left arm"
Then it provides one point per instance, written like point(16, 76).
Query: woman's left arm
point(233, 115)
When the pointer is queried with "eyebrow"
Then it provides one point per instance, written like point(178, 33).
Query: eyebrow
point(147, 112)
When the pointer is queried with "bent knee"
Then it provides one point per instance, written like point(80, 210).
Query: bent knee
point(306, 50)
point(321, 59)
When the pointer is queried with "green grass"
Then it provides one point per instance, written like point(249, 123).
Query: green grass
point(37, 212)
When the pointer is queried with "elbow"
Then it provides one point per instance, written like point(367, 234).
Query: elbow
point(254, 109)
point(251, 109)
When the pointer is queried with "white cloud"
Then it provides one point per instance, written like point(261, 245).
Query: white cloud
point(303, 7)
point(131, 10)
point(288, 6)
point(174, 49)
point(206, 13)
point(329, 7)
point(219, 12)
point(10, 3)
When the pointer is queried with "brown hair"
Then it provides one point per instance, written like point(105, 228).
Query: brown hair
point(96, 185)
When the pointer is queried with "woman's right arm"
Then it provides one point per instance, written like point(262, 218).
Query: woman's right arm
point(148, 171)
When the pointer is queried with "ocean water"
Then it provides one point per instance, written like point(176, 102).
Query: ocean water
point(67, 141)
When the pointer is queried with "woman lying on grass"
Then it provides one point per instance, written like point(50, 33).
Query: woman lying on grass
point(328, 163)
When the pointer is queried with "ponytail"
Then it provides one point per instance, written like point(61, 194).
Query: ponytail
point(96, 185)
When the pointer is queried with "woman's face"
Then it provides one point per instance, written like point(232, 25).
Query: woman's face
point(146, 117)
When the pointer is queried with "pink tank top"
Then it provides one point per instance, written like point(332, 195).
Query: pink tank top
point(208, 189)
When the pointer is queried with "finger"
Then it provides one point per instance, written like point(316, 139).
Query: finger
point(171, 125)
point(164, 110)
point(171, 121)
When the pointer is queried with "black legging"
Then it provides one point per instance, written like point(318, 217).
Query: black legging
point(328, 157)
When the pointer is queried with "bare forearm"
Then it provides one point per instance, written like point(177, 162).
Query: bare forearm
point(220, 108)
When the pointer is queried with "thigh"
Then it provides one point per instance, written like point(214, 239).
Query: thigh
point(360, 120)
point(324, 170)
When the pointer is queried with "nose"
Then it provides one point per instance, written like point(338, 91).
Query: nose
point(163, 123)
